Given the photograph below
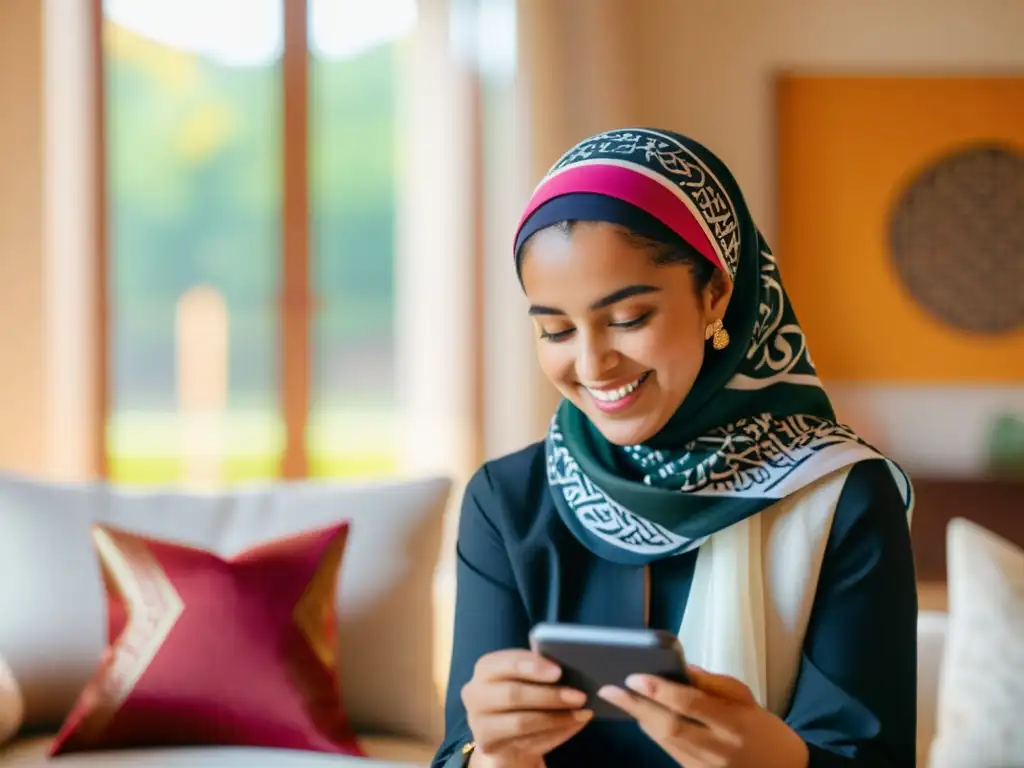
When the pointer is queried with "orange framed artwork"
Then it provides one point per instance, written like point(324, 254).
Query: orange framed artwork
point(901, 225)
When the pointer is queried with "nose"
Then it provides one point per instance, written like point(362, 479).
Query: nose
point(595, 358)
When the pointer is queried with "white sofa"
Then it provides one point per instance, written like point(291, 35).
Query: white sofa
point(53, 614)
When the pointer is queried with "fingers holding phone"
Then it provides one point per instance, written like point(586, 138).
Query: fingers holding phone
point(715, 721)
point(515, 710)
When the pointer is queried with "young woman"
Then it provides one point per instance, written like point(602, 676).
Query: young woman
point(693, 479)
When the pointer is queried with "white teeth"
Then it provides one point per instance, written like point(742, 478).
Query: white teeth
point(613, 395)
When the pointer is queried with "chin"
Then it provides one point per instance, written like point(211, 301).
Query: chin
point(623, 431)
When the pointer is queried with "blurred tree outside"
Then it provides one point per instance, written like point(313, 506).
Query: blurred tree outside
point(194, 184)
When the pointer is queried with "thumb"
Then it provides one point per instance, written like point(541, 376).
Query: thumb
point(723, 686)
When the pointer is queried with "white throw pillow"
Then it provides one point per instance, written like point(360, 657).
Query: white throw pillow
point(981, 688)
point(12, 703)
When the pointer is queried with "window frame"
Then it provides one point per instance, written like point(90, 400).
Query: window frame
point(296, 301)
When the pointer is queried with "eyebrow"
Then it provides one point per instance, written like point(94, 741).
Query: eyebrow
point(606, 301)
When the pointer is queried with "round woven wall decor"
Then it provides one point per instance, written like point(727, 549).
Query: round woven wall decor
point(957, 239)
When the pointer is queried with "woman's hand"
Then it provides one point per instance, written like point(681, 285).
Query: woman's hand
point(515, 713)
point(713, 723)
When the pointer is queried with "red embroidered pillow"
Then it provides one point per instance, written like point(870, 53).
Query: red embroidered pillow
point(210, 651)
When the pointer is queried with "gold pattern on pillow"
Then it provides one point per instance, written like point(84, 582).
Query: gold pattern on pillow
point(314, 613)
point(153, 607)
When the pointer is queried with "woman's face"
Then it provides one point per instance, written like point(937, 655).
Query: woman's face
point(620, 336)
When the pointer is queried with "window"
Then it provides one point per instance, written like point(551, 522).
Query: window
point(250, 323)
point(354, 77)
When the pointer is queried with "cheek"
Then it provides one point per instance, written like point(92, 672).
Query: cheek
point(555, 361)
point(676, 354)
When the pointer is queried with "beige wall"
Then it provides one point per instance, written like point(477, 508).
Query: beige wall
point(22, 364)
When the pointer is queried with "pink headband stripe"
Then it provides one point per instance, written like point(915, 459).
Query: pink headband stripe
point(631, 187)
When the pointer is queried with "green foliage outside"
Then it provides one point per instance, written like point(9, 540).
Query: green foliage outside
point(194, 152)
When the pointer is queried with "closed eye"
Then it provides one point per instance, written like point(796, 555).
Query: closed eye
point(556, 335)
point(636, 322)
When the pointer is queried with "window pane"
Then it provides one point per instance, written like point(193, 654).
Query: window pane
point(354, 49)
point(193, 154)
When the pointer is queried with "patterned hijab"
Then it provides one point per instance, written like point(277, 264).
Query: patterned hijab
point(757, 425)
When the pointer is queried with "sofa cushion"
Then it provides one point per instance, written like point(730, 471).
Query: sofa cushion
point(212, 651)
point(12, 703)
point(981, 684)
point(382, 752)
point(54, 611)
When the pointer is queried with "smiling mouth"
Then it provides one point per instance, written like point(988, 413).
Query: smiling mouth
point(620, 397)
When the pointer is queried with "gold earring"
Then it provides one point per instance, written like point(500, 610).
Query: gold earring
point(718, 335)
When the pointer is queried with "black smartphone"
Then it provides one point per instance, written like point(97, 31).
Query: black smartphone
point(592, 657)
